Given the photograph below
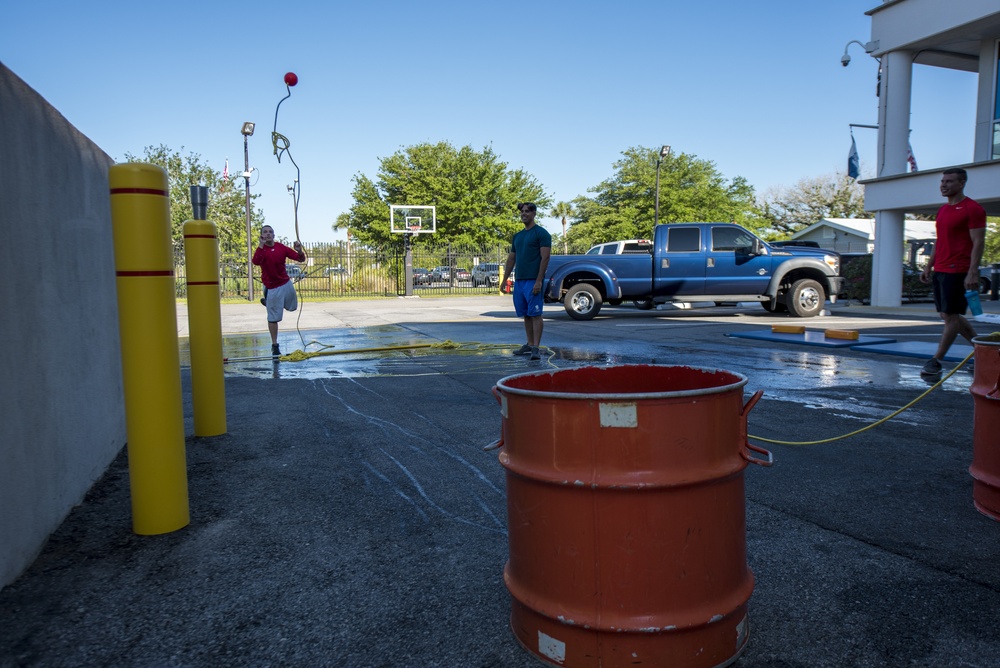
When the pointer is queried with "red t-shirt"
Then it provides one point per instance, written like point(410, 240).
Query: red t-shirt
point(271, 260)
point(953, 248)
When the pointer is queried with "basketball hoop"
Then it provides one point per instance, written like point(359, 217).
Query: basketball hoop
point(414, 229)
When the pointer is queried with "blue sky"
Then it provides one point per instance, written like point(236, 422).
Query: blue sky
point(557, 88)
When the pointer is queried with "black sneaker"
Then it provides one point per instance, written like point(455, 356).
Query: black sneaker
point(534, 353)
point(932, 367)
point(263, 301)
point(275, 351)
point(523, 350)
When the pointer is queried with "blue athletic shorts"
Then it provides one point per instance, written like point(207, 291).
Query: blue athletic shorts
point(527, 304)
point(949, 293)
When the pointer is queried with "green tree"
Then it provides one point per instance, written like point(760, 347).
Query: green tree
point(789, 210)
point(991, 250)
point(691, 189)
point(474, 191)
point(226, 203)
point(563, 210)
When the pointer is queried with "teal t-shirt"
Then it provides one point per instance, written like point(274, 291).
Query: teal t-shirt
point(527, 245)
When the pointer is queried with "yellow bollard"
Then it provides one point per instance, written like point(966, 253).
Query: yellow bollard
point(151, 368)
point(201, 259)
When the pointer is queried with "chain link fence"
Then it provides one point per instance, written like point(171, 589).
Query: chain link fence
point(338, 270)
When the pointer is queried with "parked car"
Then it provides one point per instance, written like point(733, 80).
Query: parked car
point(462, 275)
point(486, 274)
point(421, 276)
point(621, 247)
point(295, 272)
point(336, 271)
point(440, 274)
point(856, 268)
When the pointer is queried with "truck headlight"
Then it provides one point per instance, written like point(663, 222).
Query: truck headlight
point(833, 261)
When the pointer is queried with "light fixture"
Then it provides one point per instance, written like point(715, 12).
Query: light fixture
point(664, 152)
point(247, 130)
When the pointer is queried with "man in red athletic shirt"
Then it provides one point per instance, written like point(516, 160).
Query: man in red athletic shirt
point(280, 293)
point(958, 250)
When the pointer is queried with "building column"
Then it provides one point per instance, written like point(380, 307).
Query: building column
point(887, 263)
point(893, 143)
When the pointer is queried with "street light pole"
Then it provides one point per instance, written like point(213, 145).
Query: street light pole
point(247, 132)
point(664, 152)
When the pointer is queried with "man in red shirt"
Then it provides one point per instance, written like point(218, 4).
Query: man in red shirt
point(280, 293)
point(961, 234)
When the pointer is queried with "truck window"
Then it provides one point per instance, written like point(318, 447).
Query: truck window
point(730, 239)
point(683, 240)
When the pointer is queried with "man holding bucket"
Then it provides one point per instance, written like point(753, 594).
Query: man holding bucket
point(528, 259)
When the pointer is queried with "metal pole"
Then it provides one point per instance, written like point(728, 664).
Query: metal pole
point(246, 181)
point(656, 213)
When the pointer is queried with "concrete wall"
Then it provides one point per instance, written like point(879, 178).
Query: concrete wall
point(61, 393)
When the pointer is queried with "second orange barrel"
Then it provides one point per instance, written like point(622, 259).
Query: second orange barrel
point(985, 389)
point(626, 514)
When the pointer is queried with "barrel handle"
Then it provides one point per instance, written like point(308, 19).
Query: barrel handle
point(995, 392)
point(499, 442)
point(754, 460)
point(746, 444)
point(748, 406)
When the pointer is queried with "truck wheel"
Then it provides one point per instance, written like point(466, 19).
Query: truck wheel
point(614, 302)
point(582, 302)
point(984, 285)
point(806, 298)
point(644, 304)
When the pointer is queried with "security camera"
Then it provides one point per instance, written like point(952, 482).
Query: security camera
point(845, 60)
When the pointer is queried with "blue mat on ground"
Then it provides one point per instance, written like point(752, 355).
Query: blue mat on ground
point(811, 339)
point(920, 349)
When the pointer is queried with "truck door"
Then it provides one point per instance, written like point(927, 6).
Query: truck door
point(730, 268)
point(679, 264)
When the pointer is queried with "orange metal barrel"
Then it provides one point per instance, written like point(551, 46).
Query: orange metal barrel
point(985, 390)
point(626, 514)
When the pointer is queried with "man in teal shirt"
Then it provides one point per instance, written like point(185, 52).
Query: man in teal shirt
point(528, 258)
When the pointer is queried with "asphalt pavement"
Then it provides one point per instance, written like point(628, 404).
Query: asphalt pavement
point(351, 517)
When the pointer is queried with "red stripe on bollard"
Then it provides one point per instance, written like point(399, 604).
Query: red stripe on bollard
point(166, 272)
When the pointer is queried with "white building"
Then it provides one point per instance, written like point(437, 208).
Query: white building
point(857, 235)
point(962, 35)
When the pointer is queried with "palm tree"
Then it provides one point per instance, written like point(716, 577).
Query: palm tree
point(563, 210)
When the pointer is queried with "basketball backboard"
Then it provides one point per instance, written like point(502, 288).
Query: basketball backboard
point(408, 219)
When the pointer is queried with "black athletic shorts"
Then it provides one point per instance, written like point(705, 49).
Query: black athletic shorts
point(949, 293)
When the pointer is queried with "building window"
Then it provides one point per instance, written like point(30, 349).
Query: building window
point(996, 107)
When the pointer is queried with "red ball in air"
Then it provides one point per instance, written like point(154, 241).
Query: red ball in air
point(291, 79)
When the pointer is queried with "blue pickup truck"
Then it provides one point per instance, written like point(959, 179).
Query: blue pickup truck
point(695, 262)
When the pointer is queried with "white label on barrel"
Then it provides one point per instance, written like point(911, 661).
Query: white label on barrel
point(619, 415)
point(503, 405)
point(552, 648)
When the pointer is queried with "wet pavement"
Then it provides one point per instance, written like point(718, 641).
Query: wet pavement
point(351, 517)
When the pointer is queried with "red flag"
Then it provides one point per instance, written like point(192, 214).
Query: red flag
point(910, 159)
point(225, 175)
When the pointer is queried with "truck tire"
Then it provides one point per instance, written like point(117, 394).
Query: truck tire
point(644, 304)
point(582, 302)
point(806, 298)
